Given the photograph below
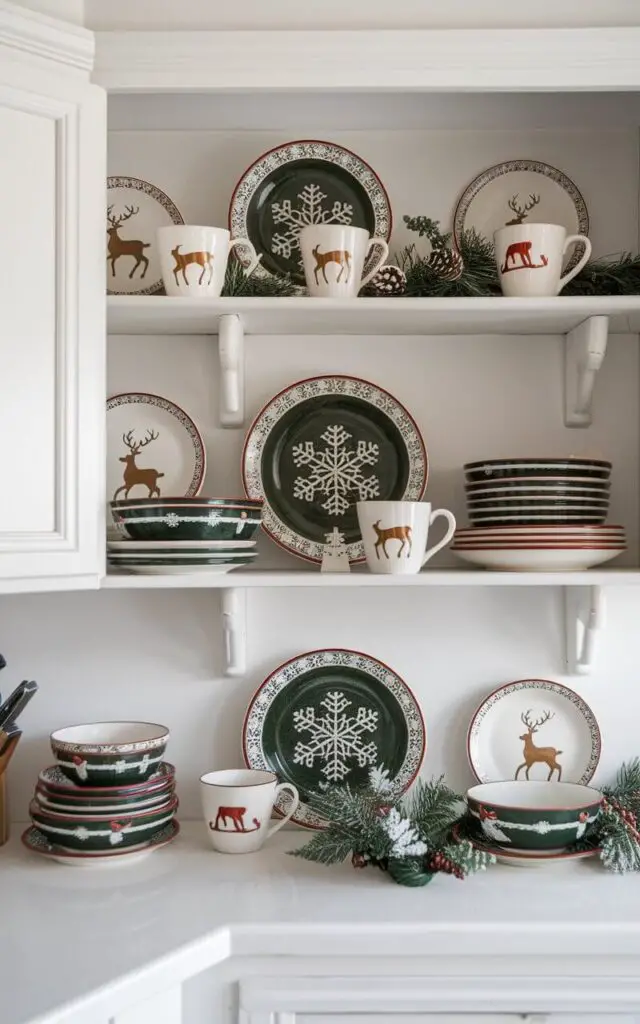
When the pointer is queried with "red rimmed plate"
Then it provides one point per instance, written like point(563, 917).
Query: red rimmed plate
point(37, 842)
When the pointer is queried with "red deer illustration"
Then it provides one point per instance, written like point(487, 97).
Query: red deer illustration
point(133, 474)
point(523, 250)
point(401, 533)
point(183, 260)
point(339, 256)
point(118, 247)
point(521, 211)
point(234, 814)
point(535, 755)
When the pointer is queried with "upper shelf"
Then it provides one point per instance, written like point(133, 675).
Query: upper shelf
point(134, 314)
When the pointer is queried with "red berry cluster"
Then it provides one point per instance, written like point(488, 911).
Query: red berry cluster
point(438, 862)
point(358, 860)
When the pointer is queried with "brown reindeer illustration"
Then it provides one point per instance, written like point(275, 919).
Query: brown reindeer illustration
point(538, 755)
point(118, 247)
point(183, 260)
point(401, 533)
point(133, 474)
point(521, 212)
point(339, 256)
point(523, 250)
point(236, 817)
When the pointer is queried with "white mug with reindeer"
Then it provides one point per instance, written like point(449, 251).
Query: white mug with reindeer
point(194, 259)
point(237, 805)
point(334, 255)
point(395, 534)
point(530, 258)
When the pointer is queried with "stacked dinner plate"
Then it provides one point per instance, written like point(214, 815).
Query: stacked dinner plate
point(184, 535)
point(538, 514)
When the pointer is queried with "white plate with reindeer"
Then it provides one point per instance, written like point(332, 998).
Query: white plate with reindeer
point(154, 449)
point(534, 729)
point(135, 211)
point(521, 192)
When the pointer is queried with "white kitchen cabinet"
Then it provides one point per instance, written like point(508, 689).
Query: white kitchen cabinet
point(52, 171)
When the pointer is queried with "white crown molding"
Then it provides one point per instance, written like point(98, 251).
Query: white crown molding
point(536, 60)
point(38, 35)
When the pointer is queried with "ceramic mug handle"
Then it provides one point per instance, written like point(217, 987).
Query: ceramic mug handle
point(376, 267)
point(255, 259)
point(285, 787)
point(581, 262)
point(446, 514)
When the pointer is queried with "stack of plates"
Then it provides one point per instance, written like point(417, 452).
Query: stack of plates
point(172, 536)
point(548, 549)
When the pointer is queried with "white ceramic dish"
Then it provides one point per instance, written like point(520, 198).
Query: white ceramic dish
point(182, 556)
point(135, 211)
point(127, 546)
point(177, 570)
point(537, 559)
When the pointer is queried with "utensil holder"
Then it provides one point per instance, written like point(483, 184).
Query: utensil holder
point(5, 758)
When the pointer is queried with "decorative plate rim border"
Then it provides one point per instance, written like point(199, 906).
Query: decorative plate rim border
point(125, 181)
point(410, 767)
point(565, 691)
point(61, 851)
point(237, 218)
point(538, 167)
point(271, 523)
point(200, 451)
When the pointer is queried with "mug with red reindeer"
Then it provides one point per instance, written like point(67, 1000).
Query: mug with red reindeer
point(237, 805)
point(530, 258)
point(395, 534)
point(334, 255)
point(194, 259)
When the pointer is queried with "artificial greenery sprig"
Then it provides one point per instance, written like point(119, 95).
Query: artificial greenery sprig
point(239, 285)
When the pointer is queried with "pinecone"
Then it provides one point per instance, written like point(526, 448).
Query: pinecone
point(358, 860)
point(389, 280)
point(438, 862)
point(447, 264)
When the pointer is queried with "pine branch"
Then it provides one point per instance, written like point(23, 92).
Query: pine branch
point(434, 808)
point(430, 229)
point(330, 846)
point(237, 284)
point(626, 789)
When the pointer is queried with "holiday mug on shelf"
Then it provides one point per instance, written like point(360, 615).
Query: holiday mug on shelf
point(237, 805)
point(530, 257)
point(194, 259)
point(395, 534)
point(334, 255)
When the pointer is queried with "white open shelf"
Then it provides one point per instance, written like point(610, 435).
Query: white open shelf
point(162, 315)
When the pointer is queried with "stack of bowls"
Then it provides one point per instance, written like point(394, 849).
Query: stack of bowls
point(109, 793)
point(184, 535)
point(538, 514)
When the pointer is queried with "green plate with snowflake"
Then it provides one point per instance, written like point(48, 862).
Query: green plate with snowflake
point(319, 447)
point(328, 718)
point(305, 182)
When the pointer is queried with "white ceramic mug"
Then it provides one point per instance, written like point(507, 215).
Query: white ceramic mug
point(237, 805)
point(530, 257)
point(334, 255)
point(395, 534)
point(194, 259)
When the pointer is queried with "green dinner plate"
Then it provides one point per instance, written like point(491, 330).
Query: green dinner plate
point(327, 718)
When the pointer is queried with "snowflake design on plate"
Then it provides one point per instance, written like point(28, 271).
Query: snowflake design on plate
point(172, 520)
point(335, 737)
point(336, 470)
point(309, 210)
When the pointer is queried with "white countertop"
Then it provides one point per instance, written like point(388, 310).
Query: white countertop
point(78, 931)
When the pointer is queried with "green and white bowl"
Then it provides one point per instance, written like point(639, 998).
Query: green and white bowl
point(181, 519)
point(100, 832)
point(110, 753)
point(533, 815)
point(53, 782)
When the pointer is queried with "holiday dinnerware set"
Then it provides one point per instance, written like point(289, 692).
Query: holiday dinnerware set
point(538, 515)
point(108, 799)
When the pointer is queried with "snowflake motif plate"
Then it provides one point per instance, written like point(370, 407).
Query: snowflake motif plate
point(326, 718)
point(37, 842)
point(484, 204)
point(305, 182)
point(135, 211)
point(532, 725)
point(319, 447)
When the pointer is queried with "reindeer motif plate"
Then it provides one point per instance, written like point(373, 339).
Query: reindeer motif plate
point(319, 447)
point(534, 729)
point(328, 718)
point(521, 192)
point(153, 449)
point(135, 211)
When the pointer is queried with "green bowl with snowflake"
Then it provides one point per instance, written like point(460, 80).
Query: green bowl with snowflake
point(188, 518)
point(533, 815)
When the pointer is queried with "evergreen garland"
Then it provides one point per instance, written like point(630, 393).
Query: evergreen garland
point(238, 285)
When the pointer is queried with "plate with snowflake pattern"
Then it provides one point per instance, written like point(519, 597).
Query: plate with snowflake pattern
point(322, 445)
point(327, 718)
point(305, 182)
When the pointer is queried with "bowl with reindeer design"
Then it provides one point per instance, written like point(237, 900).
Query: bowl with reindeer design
point(110, 753)
point(93, 833)
point(533, 815)
point(195, 519)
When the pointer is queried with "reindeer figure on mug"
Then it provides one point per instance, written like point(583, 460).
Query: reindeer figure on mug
point(340, 256)
point(133, 474)
point(401, 533)
point(538, 755)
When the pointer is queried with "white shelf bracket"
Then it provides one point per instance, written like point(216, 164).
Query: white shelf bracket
point(231, 354)
point(234, 630)
point(584, 350)
point(584, 620)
